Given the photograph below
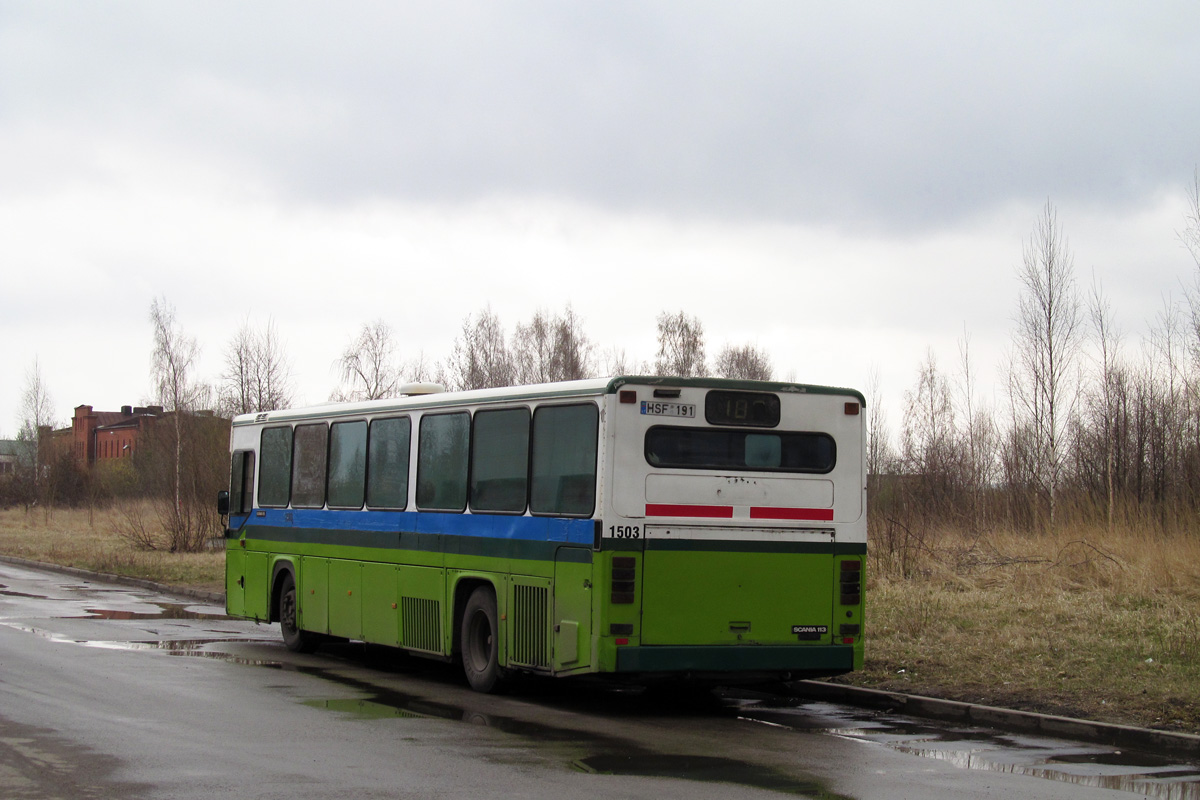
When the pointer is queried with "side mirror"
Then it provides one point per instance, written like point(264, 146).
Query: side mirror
point(223, 503)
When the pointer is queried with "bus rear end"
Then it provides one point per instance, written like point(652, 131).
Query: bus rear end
point(733, 537)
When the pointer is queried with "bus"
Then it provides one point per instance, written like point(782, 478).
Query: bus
point(637, 528)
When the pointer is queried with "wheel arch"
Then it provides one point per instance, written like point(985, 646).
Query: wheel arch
point(282, 567)
point(463, 588)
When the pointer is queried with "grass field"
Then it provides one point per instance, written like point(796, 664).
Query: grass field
point(94, 541)
point(1084, 623)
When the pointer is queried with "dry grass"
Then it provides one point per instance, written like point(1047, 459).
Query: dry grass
point(1083, 623)
point(94, 540)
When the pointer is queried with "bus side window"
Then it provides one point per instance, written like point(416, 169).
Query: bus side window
point(308, 466)
point(500, 460)
point(275, 477)
point(241, 482)
point(442, 453)
point(387, 463)
point(347, 464)
point(247, 503)
point(564, 460)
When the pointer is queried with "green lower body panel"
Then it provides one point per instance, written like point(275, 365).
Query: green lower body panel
point(723, 658)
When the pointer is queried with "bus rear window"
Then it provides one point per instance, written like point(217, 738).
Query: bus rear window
point(743, 451)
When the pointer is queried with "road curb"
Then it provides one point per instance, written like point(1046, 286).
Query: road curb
point(1121, 736)
point(178, 591)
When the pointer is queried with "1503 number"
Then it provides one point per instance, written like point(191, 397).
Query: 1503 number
point(625, 531)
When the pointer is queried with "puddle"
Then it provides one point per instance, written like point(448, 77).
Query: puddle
point(1147, 774)
point(10, 593)
point(174, 647)
point(166, 611)
point(708, 769)
point(363, 709)
point(610, 755)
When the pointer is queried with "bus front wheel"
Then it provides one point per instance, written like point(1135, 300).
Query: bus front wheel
point(297, 640)
point(481, 641)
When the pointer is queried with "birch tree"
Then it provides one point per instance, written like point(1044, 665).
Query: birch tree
point(367, 367)
point(171, 367)
point(258, 374)
point(747, 362)
point(551, 348)
point(680, 346)
point(481, 358)
point(1046, 342)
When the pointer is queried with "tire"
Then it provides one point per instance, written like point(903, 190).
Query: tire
point(297, 640)
point(481, 642)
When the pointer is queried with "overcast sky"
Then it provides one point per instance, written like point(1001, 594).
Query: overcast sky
point(845, 187)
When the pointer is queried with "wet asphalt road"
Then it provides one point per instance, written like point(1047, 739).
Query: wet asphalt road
point(107, 691)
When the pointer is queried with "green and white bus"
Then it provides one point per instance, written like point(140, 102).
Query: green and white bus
point(633, 527)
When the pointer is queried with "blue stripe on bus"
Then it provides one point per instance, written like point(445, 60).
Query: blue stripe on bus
point(579, 532)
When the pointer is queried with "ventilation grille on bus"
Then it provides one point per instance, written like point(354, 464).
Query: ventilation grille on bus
point(421, 624)
point(530, 625)
point(851, 583)
point(624, 580)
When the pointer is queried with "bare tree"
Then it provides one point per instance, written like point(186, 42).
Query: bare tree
point(680, 346)
point(36, 418)
point(748, 363)
point(616, 361)
point(927, 444)
point(879, 450)
point(1106, 388)
point(421, 369)
point(551, 348)
point(1046, 344)
point(978, 432)
point(258, 375)
point(1169, 400)
point(573, 359)
point(533, 349)
point(367, 367)
point(481, 359)
point(171, 367)
point(1190, 235)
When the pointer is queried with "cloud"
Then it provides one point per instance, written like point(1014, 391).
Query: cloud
point(877, 117)
point(842, 186)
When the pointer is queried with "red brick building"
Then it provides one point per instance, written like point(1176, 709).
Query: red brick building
point(98, 436)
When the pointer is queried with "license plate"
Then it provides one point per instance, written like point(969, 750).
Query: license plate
point(687, 410)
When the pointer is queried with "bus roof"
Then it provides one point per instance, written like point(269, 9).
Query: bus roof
point(564, 389)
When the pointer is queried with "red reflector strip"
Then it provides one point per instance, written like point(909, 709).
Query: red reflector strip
point(812, 514)
point(621, 641)
point(669, 510)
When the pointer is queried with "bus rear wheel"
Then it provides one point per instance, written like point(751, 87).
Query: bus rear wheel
point(297, 640)
point(481, 642)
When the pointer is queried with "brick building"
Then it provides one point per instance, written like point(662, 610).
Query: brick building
point(99, 436)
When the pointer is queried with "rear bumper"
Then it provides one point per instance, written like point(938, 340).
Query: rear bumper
point(824, 659)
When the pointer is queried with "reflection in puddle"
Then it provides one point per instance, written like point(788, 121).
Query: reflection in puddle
point(174, 647)
point(10, 593)
point(1147, 774)
point(610, 755)
point(709, 769)
point(363, 709)
point(167, 611)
